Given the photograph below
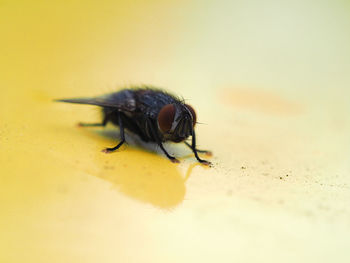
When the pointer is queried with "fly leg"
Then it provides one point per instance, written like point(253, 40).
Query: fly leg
point(195, 151)
point(160, 144)
point(171, 158)
point(209, 153)
point(122, 137)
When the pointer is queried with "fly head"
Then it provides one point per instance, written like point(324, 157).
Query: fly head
point(176, 121)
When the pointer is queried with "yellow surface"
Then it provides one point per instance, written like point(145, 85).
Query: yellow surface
point(269, 80)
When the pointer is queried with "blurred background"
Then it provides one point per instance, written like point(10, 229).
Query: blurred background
point(270, 83)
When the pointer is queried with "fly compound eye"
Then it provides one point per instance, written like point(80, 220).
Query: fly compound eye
point(193, 113)
point(166, 117)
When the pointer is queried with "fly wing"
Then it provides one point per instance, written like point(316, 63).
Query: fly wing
point(123, 100)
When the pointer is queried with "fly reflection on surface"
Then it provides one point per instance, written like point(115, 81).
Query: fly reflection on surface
point(148, 178)
point(144, 176)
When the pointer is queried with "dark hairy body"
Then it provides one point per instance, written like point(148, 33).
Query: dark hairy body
point(154, 115)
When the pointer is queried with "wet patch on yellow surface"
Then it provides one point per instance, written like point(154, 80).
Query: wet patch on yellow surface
point(260, 101)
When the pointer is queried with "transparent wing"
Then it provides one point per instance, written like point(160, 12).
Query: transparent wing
point(122, 101)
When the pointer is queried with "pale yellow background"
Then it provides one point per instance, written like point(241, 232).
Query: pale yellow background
point(270, 81)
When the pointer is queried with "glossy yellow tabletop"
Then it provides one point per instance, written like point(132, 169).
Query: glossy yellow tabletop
point(270, 83)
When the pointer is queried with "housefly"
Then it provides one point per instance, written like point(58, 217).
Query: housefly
point(152, 114)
